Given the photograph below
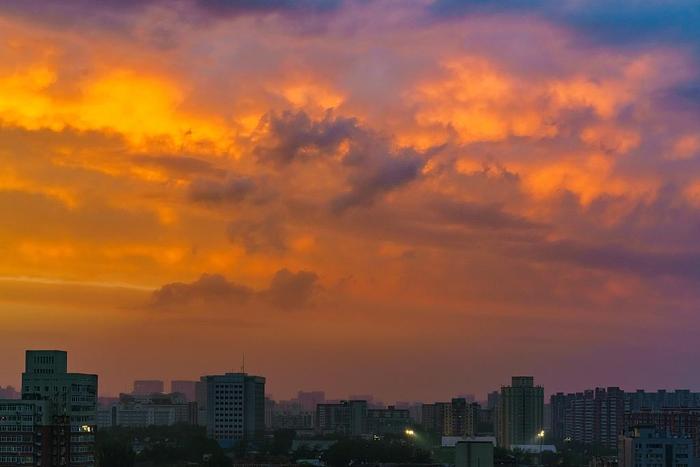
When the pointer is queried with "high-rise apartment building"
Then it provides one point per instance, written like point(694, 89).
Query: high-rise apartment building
point(520, 412)
point(592, 416)
point(70, 399)
point(152, 410)
point(456, 418)
point(232, 407)
point(437, 417)
point(465, 417)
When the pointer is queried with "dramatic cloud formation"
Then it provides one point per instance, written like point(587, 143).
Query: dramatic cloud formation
point(212, 291)
point(522, 173)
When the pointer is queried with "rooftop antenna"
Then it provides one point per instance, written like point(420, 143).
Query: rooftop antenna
point(243, 364)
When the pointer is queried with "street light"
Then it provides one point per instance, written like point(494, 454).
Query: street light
point(409, 432)
point(540, 436)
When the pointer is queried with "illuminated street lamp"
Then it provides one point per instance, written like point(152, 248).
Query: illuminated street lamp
point(540, 437)
point(410, 432)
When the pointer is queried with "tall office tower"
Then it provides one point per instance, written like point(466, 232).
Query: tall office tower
point(647, 447)
point(72, 403)
point(520, 412)
point(26, 434)
point(186, 388)
point(148, 386)
point(346, 417)
point(232, 407)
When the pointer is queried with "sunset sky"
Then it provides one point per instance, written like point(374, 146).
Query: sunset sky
point(411, 198)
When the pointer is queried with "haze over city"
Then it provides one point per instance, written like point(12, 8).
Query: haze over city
point(407, 198)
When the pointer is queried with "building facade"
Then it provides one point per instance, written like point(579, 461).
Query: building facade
point(389, 420)
point(232, 407)
point(520, 412)
point(597, 416)
point(153, 410)
point(648, 447)
point(53, 424)
point(344, 417)
point(679, 422)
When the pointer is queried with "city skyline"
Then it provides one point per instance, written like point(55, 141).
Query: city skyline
point(443, 393)
point(409, 198)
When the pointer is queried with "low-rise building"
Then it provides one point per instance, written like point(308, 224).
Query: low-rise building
point(345, 417)
point(474, 454)
point(645, 446)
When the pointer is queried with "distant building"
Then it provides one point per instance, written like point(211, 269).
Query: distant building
point(345, 417)
point(389, 420)
point(9, 393)
point(146, 387)
point(456, 418)
point(662, 399)
point(415, 410)
point(591, 417)
point(152, 410)
point(54, 423)
point(291, 415)
point(492, 399)
point(232, 407)
point(186, 388)
point(437, 418)
point(474, 454)
point(310, 399)
point(520, 412)
point(649, 447)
